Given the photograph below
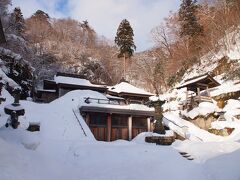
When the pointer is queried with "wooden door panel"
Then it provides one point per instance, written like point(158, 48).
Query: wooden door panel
point(100, 133)
point(119, 133)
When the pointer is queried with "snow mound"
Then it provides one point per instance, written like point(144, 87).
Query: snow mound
point(140, 138)
point(204, 109)
point(187, 129)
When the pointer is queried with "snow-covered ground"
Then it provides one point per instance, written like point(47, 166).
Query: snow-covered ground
point(61, 151)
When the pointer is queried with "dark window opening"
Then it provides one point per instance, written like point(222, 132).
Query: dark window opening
point(119, 121)
point(98, 119)
point(139, 122)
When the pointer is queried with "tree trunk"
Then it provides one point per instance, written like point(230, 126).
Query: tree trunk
point(124, 66)
point(2, 37)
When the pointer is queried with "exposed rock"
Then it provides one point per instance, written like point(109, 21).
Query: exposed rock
point(221, 132)
point(204, 122)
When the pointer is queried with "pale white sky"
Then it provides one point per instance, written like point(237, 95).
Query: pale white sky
point(105, 15)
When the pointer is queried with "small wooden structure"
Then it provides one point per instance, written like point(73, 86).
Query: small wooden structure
point(129, 92)
point(2, 36)
point(64, 83)
point(198, 84)
point(112, 119)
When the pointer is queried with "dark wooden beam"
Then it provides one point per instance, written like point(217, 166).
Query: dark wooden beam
point(109, 127)
point(81, 87)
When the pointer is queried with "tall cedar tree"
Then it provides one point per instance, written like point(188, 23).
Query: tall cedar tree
point(189, 22)
point(124, 40)
point(40, 15)
point(17, 21)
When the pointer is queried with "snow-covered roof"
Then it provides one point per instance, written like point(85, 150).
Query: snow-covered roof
point(47, 90)
point(125, 87)
point(114, 97)
point(193, 80)
point(133, 109)
point(74, 81)
point(205, 78)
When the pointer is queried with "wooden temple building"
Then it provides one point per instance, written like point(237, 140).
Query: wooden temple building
point(129, 92)
point(124, 117)
point(120, 115)
point(200, 85)
point(62, 84)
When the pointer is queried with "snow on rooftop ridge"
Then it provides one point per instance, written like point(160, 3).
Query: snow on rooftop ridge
point(192, 80)
point(125, 87)
point(74, 81)
point(139, 107)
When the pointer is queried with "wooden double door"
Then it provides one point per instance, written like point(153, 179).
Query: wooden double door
point(100, 133)
point(101, 124)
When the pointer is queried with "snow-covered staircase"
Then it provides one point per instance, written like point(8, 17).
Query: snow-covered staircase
point(186, 155)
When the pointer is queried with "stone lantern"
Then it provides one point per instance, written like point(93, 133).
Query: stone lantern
point(14, 110)
point(158, 116)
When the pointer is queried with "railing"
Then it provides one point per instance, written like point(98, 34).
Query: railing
point(79, 122)
point(193, 101)
point(102, 101)
point(184, 129)
point(135, 102)
point(203, 99)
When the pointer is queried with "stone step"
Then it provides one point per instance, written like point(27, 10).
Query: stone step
point(186, 155)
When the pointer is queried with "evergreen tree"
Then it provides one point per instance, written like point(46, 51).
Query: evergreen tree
point(189, 22)
point(41, 15)
point(89, 35)
point(124, 40)
point(17, 22)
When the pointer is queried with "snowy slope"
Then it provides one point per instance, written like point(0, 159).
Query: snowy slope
point(60, 150)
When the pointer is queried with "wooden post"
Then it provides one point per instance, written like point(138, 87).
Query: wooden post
point(187, 94)
point(208, 93)
point(88, 119)
point(130, 128)
point(198, 94)
point(148, 124)
point(109, 127)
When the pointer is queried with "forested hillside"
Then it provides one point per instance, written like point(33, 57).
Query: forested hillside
point(50, 45)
